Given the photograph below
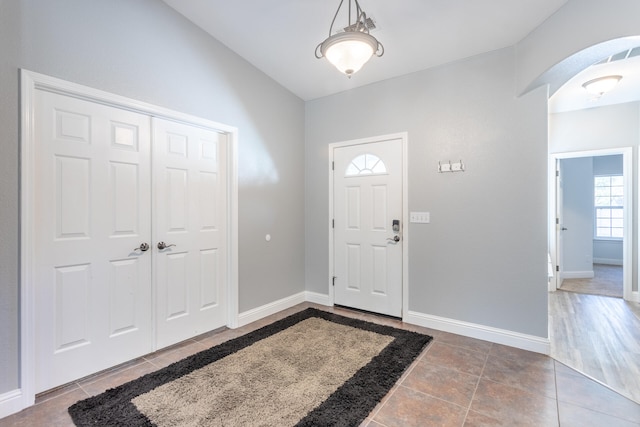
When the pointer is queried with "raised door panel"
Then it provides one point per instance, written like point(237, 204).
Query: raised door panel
point(91, 192)
point(190, 215)
point(367, 190)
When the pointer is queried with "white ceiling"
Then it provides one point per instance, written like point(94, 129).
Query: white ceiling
point(572, 96)
point(280, 36)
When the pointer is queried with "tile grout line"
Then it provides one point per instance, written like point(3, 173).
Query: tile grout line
point(397, 385)
point(404, 375)
point(431, 396)
point(555, 382)
point(475, 390)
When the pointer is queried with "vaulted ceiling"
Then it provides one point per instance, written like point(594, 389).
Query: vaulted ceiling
point(279, 37)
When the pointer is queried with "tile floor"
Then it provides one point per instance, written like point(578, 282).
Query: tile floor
point(456, 381)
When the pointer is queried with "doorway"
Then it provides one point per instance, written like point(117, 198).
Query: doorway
point(587, 234)
point(368, 230)
point(591, 230)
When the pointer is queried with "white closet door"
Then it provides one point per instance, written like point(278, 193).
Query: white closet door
point(92, 192)
point(190, 217)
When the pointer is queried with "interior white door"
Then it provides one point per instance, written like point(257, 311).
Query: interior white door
point(191, 219)
point(560, 228)
point(367, 203)
point(92, 197)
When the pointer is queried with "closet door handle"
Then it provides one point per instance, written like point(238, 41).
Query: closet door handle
point(143, 247)
point(163, 245)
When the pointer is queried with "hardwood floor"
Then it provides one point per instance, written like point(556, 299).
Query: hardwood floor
point(607, 281)
point(599, 336)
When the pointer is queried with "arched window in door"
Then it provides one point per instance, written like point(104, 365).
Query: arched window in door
point(366, 164)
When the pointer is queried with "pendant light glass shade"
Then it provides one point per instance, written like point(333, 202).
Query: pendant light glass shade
point(348, 51)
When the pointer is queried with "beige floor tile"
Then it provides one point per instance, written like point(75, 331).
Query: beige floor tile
point(52, 413)
point(466, 342)
point(443, 383)
point(169, 357)
point(454, 357)
point(476, 419)
point(101, 385)
point(409, 408)
point(52, 394)
point(434, 391)
point(513, 406)
point(525, 374)
point(513, 353)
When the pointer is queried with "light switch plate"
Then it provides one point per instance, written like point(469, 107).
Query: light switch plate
point(420, 217)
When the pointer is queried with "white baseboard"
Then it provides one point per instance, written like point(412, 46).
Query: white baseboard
point(268, 309)
point(11, 402)
point(577, 274)
point(608, 261)
point(487, 333)
point(317, 298)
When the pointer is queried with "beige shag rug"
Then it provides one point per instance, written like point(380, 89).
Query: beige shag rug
point(275, 381)
point(312, 368)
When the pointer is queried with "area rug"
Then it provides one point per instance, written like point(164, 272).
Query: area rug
point(312, 368)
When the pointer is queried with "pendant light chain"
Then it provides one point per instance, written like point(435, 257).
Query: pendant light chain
point(348, 51)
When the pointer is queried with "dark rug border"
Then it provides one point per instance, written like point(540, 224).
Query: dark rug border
point(349, 405)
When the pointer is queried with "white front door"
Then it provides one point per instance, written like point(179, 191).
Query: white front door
point(92, 206)
point(367, 205)
point(190, 218)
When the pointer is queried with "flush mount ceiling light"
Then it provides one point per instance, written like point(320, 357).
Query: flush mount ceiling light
point(601, 85)
point(348, 51)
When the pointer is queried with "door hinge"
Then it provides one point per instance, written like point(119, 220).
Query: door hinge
point(557, 268)
point(333, 166)
point(557, 221)
point(333, 223)
point(557, 173)
point(334, 280)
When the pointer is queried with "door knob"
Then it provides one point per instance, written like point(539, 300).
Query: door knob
point(564, 229)
point(143, 247)
point(394, 239)
point(163, 245)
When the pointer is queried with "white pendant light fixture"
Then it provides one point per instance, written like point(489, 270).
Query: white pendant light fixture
point(599, 86)
point(348, 51)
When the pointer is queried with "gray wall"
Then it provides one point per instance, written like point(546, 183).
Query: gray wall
point(577, 192)
point(614, 126)
point(9, 240)
point(483, 258)
point(608, 165)
point(144, 50)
